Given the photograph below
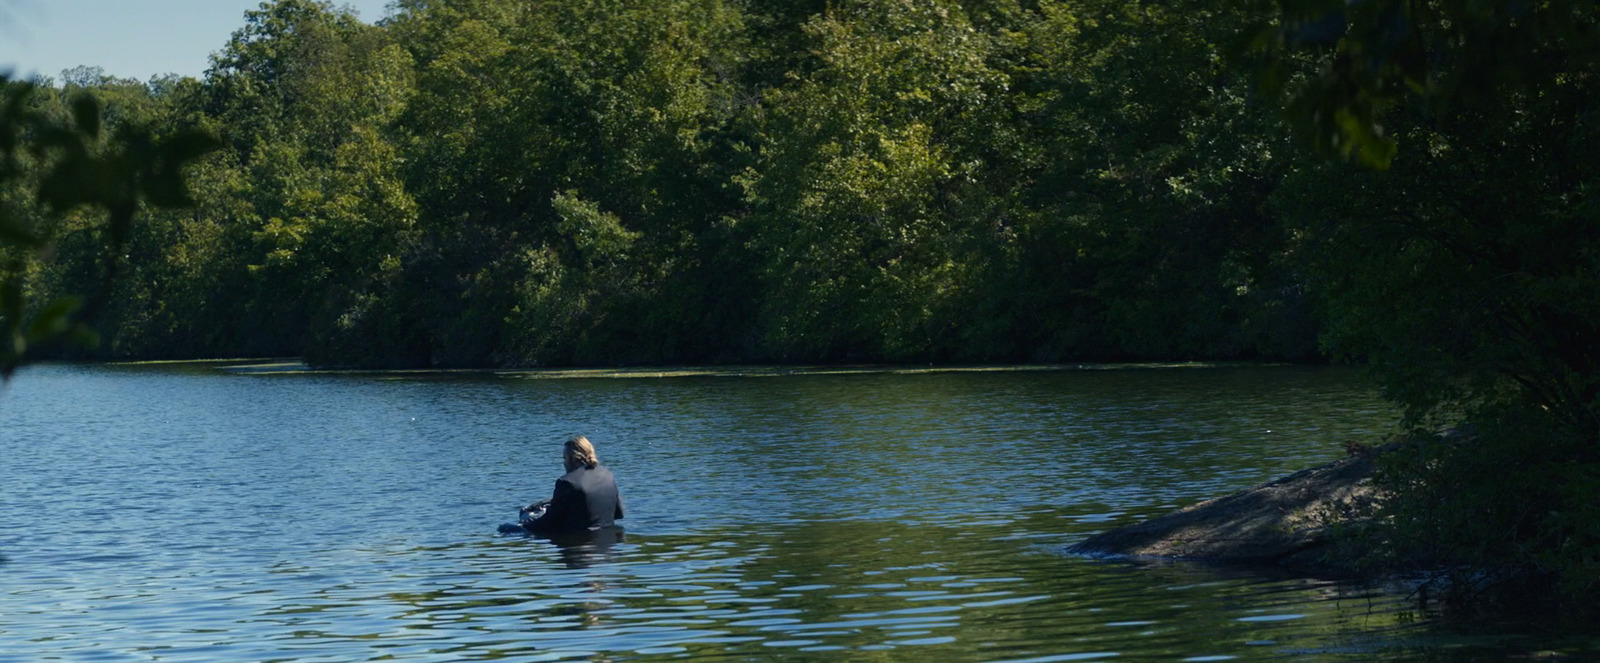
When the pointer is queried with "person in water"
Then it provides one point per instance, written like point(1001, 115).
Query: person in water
point(585, 498)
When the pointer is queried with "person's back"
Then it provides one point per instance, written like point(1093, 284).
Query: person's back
point(586, 498)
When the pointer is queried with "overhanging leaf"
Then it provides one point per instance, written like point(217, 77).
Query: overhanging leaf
point(53, 320)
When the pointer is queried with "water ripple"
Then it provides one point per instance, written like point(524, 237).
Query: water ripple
point(190, 516)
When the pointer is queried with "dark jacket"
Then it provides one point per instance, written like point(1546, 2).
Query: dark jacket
point(585, 499)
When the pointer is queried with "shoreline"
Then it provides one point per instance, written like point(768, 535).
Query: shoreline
point(1286, 523)
point(294, 366)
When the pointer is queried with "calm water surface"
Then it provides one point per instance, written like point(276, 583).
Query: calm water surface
point(163, 514)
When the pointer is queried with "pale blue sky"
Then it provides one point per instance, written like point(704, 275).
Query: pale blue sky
point(134, 39)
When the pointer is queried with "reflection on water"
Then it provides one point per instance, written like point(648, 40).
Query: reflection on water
point(581, 550)
point(164, 515)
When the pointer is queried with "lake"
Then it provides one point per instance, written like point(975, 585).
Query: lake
point(184, 513)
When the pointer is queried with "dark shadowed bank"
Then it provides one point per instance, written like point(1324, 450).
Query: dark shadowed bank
point(1358, 518)
point(1292, 522)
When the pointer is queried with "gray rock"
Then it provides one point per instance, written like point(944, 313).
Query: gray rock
point(1285, 522)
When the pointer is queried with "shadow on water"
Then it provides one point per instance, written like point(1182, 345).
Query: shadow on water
point(580, 550)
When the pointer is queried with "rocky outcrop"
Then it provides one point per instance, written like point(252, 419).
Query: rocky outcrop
point(1285, 522)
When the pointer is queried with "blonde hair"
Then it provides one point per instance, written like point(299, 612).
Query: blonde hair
point(579, 449)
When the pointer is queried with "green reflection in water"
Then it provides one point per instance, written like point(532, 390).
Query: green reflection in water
point(890, 591)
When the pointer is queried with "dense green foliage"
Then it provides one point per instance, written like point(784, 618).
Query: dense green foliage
point(62, 171)
point(1467, 275)
point(544, 183)
point(484, 183)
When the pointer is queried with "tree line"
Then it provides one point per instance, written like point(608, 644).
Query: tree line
point(523, 184)
point(1407, 185)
